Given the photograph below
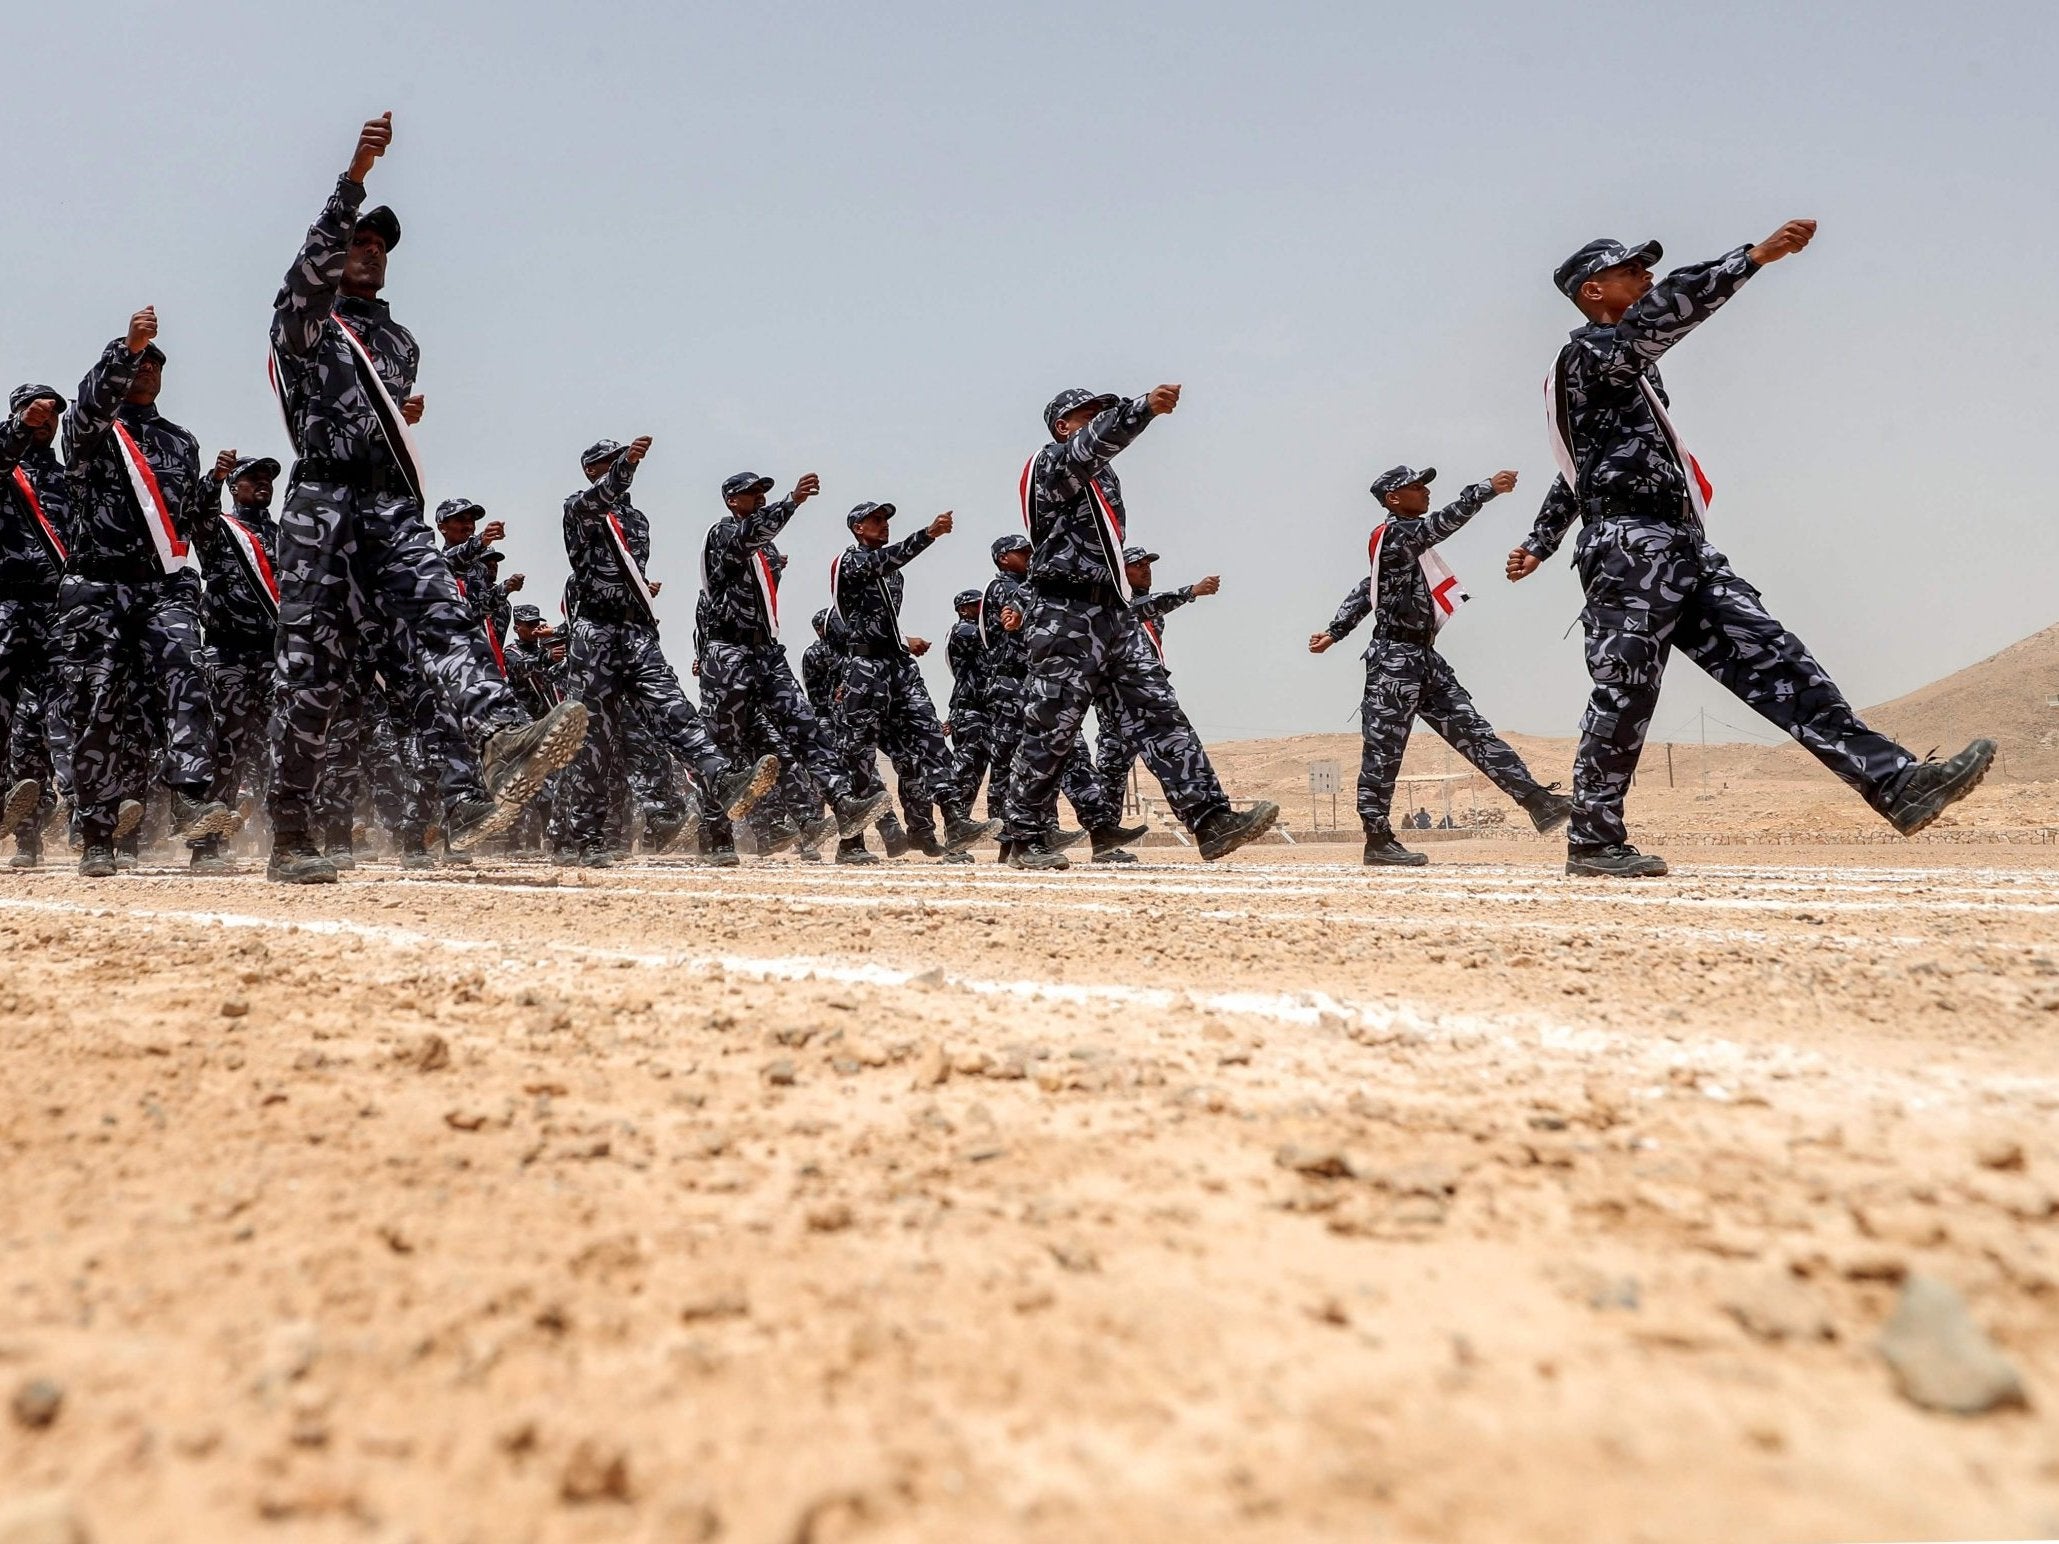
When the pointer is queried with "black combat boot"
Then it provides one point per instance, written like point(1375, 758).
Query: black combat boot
point(1932, 786)
point(851, 850)
point(97, 861)
point(294, 861)
point(1226, 830)
point(1548, 809)
point(208, 858)
point(22, 799)
point(1382, 851)
point(891, 835)
point(962, 830)
point(1619, 860)
point(516, 760)
point(739, 791)
point(855, 815)
point(1037, 853)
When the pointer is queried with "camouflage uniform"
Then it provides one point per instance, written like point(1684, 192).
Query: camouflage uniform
point(242, 621)
point(351, 523)
point(31, 568)
point(1406, 677)
point(122, 620)
point(614, 657)
point(1653, 582)
point(1082, 637)
point(1114, 743)
point(966, 655)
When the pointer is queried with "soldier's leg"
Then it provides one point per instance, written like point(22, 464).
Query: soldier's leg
point(23, 625)
point(1004, 735)
point(317, 628)
point(1092, 804)
point(170, 638)
point(1448, 708)
point(1393, 689)
point(1068, 648)
point(1113, 754)
point(862, 705)
point(1144, 696)
point(90, 646)
point(1727, 630)
point(672, 719)
point(591, 677)
point(239, 721)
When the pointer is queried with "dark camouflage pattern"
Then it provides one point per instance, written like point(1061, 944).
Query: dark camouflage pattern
point(1064, 525)
point(869, 585)
point(1404, 600)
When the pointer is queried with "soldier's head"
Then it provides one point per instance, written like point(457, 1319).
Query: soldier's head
point(250, 484)
point(1605, 278)
point(599, 456)
point(43, 434)
point(1012, 555)
point(745, 492)
point(1073, 409)
point(148, 380)
point(1136, 567)
point(1404, 491)
point(457, 520)
point(868, 522)
point(966, 604)
point(822, 622)
point(529, 624)
point(364, 261)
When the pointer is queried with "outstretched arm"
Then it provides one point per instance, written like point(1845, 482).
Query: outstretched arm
point(1417, 536)
point(1553, 520)
point(1112, 429)
point(101, 392)
point(1687, 297)
point(311, 284)
point(591, 503)
point(1357, 606)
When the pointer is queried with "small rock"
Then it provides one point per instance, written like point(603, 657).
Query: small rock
point(1999, 1152)
point(595, 1473)
point(1775, 1309)
point(780, 1074)
point(431, 1053)
point(725, 1301)
point(47, 1517)
point(290, 1351)
point(37, 1402)
point(234, 1008)
point(1942, 1360)
point(1606, 1294)
point(1316, 1162)
point(830, 1217)
point(464, 1119)
point(929, 980)
point(1076, 1257)
point(932, 1067)
point(1861, 1264)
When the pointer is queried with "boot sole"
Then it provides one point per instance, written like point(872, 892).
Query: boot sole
point(980, 831)
point(872, 861)
point(499, 823)
point(553, 752)
point(1588, 871)
point(221, 823)
point(1390, 863)
point(303, 879)
point(22, 799)
point(127, 816)
point(868, 817)
point(1064, 839)
point(762, 778)
point(1951, 794)
point(1265, 815)
point(1115, 856)
point(1546, 827)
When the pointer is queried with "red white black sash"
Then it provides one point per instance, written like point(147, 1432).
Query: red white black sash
point(172, 552)
point(886, 599)
point(630, 567)
point(251, 553)
point(393, 426)
point(1558, 418)
point(1445, 595)
point(492, 634)
point(51, 540)
point(1157, 639)
point(762, 575)
point(1108, 527)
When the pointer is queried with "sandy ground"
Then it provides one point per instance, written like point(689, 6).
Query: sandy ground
point(1269, 1200)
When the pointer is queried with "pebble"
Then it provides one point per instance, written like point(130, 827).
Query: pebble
point(595, 1473)
point(234, 1008)
point(37, 1402)
point(47, 1517)
point(1999, 1152)
point(1942, 1360)
point(830, 1217)
point(780, 1074)
point(1776, 1309)
point(431, 1053)
point(1317, 1162)
point(932, 1067)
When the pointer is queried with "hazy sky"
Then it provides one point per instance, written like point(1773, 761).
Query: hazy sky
point(872, 241)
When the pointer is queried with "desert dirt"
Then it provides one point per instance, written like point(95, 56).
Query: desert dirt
point(1262, 1200)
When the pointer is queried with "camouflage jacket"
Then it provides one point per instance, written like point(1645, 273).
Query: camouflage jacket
point(1007, 653)
point(966, 656)
point(107, 522)
point(598, 586)
point(484, 595)
point(822, 668)
point(28, 568)
point(1625, 462)
point(868, 593)
point(233, 610)
point(1404, 600)
point(733, 609)
point(328, 410)
point(1063, 522)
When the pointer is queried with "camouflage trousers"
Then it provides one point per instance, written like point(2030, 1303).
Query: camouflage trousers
point(741, 680)
point(1404, 682)
point(25, 629)
point(1086, 652)
point(884, 708)
point(345, 552)
point(611, 666)
point(244, 679)
point(1654, 587)
point(970, 759)
point(1077, 780)
point(117, 642)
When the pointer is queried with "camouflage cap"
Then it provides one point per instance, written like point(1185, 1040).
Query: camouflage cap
point(528, 614)
point(1138, 555)
point(254, 466)
point(745, 482)
point(1003, 545)
point(1599, 254)
point(153, 353)
point(822, 619)
point(458, 509)
point(599, 451)
point(859, 512)
point(965, 598)
point(381, 222)
point(1072, 399)
point(1396, 477)
point(24, 395)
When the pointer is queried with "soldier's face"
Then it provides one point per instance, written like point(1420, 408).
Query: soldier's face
point(1411, 503)
point(1139, 575)
point(1615, 290)
point(1075, 421)
point(44, 434)
point(251, 488)
point(969, 611)
point(456, 530)
point(364, 265)
point(871, 531)
point(147, 383)
point(529, 632)
point(746, 503)
point(1016, 563)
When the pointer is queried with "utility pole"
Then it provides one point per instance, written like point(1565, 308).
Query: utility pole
point(1705, 750)
point(1669, 763)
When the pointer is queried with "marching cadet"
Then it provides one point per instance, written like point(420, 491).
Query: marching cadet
point(883, 703)
point(1652, 579)
point(238, 550)
point(1410, 593)
point(474, 561)
point(1080, 636)
point(35, 540)
point(614, 656)
point(536, 661)
point(351, 530)
point(966, 724)
point(744, 672)
point(128, 622)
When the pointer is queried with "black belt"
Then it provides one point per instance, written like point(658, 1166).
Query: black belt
point(362, 476)
point(1421, 637)
point(736, 641)
point(1082, 592)
point(874, 651)
point(118, 571)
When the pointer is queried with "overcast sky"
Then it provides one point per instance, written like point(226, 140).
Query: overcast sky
point(872, 241)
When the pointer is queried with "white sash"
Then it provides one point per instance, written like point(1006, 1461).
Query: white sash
point(259, 567)
point(886, 600)
point(1558, 419)
point(393, 425)
point(1445, 595)
point(1107, 526)
point(172, 552)
point(631, 567)
point(762, 576)
point(1151, 631)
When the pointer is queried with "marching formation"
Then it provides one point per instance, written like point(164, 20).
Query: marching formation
point(170, 649)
